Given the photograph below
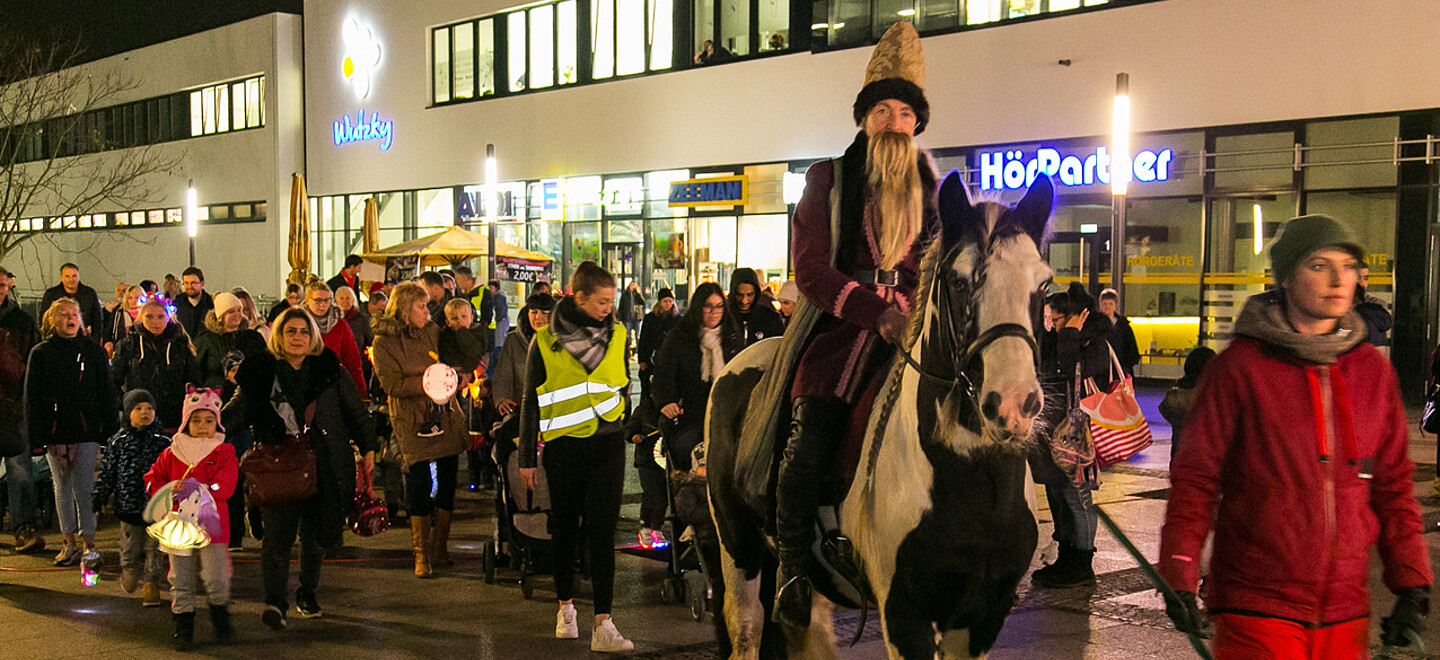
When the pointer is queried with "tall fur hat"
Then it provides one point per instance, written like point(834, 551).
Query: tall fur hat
point(896, 71)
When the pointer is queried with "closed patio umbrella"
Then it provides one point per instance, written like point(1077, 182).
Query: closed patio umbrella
point(299, 230)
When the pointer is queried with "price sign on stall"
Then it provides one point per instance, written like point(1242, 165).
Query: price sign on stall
point(524, 270)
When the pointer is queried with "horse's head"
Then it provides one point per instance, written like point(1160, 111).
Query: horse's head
point(984, 273)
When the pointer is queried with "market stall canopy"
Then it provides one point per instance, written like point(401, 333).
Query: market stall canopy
point(450, 246)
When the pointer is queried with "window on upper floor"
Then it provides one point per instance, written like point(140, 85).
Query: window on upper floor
point(862, 22)
point(222, 108)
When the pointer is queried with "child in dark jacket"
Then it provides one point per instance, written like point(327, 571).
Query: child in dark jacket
point(463, 346)
point(132, 450)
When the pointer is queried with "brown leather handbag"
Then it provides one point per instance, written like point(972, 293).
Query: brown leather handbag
point(277, 474)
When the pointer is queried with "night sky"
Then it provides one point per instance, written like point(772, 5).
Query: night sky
point(106, 27)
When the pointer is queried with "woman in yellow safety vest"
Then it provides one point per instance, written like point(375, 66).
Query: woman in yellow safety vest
point(577, 388)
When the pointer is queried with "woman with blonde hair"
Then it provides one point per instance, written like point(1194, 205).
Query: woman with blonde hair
point(407, 343)
point(124, 317)
point(295, 385)
point(577, 385)
point(70, 409)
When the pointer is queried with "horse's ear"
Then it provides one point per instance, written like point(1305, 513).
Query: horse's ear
point(959, 219)
point(1034, 208)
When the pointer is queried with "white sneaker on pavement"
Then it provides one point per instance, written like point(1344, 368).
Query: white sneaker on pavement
point(565, 626)
point(606, 639)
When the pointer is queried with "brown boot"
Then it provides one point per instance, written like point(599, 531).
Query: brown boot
point(420, 539)
point(440, 540)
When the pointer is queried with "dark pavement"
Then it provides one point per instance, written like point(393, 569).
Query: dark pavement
point(375, 607)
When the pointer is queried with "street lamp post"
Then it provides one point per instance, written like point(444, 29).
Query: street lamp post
point(1119, 181)
point(192, 220)
point(492, 201)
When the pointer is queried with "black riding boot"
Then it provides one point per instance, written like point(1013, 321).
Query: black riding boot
point(816, 428)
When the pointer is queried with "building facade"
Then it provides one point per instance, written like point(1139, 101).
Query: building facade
point(225, 107)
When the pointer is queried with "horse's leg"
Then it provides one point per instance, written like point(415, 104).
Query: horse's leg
point(744, 612)
point(908, 633)
point(955, 644)
point(817, 641)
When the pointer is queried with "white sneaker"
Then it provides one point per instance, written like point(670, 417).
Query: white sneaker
point(565, 626)
point(606, 639)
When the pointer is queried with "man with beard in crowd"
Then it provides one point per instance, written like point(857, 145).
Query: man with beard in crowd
point(887, 212)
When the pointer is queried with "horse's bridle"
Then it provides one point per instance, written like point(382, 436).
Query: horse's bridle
point(963, 359)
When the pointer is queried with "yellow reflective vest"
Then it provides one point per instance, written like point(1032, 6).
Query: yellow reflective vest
point(573, 401)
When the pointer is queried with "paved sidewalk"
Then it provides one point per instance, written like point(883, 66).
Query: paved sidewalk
point(375, 607)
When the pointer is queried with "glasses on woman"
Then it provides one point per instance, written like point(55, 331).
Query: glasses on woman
point(713, 308)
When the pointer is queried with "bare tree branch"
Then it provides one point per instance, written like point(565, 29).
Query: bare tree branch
point(55, 159)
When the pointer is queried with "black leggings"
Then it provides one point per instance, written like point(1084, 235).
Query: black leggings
point(586, 477)
point(418, 484)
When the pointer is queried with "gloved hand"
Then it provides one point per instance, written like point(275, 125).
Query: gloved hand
point(1186, 614)
point(892, 326)
point(1411, 606)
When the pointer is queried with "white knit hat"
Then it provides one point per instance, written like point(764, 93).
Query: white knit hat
point(224, 302)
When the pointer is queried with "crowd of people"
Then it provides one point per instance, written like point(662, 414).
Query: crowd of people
point(176, 383)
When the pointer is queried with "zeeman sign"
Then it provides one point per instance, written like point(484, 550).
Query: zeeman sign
point(717, 191)
point(1012, 170)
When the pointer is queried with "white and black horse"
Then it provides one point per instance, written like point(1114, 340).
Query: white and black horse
point(941, 510)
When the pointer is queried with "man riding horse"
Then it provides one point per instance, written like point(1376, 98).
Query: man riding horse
point(886, 213)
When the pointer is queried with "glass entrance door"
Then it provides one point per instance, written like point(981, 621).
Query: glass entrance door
point(620, 261)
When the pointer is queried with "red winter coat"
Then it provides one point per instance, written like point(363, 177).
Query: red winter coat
point(841, 347)
point(218, 469)
point(1293, 533)
point(341, 340)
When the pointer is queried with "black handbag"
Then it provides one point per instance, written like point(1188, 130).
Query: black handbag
point(1430, 417)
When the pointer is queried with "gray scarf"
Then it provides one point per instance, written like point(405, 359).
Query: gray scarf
point(327, 322)
point(1263, 318)
point(586, 343)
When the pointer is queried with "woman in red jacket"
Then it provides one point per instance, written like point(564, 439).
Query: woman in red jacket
point(1297, 450)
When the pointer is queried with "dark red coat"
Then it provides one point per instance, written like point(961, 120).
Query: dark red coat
point(341, 340)
point(1292, 533)
point(839, 356)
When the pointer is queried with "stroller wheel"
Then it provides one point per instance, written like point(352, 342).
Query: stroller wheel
point(527, 585)
point(697, 593)
point(487, 562)
point(667, 593)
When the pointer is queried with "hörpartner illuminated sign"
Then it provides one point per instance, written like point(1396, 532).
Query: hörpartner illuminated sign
point(1010, 169)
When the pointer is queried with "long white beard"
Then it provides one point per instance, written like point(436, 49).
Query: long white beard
point(893, 171)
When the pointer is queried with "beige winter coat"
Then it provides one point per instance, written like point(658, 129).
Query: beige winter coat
point(401, 355)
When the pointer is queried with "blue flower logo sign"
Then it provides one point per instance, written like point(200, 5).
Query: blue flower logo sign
point(362, 55)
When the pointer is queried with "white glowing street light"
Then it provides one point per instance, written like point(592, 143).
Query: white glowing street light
point(492, 203)
point(192, 217)
point(1120, 174)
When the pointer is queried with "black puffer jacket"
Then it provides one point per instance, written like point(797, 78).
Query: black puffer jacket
point(122, 470)
point(677, 369)
point(653, 331)
point(211, 349)
point(1088, 349)
point(162, 364)
point(68, 397)
point(341, 422)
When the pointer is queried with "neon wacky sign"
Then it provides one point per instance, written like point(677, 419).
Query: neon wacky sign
point(361, 130)
point(1010, 170)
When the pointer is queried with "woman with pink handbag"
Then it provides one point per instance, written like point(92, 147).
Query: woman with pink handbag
point(1075, 341)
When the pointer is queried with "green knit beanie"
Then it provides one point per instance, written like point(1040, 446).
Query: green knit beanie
point(1305, 236)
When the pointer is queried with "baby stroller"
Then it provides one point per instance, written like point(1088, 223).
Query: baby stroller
point(686, 578)
point(698, 553)
point(522, 538)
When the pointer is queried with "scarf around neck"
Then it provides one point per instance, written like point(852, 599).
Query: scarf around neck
point(192, 450)
point(1263, 318)
point(328, 321)
point(582, 336)
point(712, 354)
